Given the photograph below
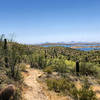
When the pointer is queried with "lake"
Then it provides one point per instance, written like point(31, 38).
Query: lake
point(82, 47)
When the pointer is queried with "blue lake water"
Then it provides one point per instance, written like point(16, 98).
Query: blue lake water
point(87, 49)
point(82, 49)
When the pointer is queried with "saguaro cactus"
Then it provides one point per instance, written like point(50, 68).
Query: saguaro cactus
point(6, 62)
point(86, 59)
point(45, 54)
point(77, 67)
point(5, 43)
point(5, 50)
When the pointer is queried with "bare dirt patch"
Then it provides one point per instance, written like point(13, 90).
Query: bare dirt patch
point(34, 90)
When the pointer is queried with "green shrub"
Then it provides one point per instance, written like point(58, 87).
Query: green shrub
point(37, 60)
point(17, 74)
point(66, 87)
point(49, 69)
point(88, 68)
point(18, 95)
point(22, 67)
point(60, 66)
point(60, 85)
point(86, 93)
point(70, 63)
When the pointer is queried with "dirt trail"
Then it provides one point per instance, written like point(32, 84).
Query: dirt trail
point(34, 90)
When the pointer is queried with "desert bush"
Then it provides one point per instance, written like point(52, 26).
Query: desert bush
point(60, 85)
point(49, 69)
point(70, 63)
point(66, 87)
point(18, 94)
point(22, 67)
point(60, 66)
point(17, 76)
point(37, 60)
point(86, 93)
point(88, 69)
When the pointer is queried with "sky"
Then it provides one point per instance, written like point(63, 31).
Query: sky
point(39, 21)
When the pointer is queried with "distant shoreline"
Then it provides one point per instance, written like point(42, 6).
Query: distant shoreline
point(75, 47)
point(69, 44)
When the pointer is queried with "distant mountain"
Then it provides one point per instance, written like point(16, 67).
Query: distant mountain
point(71, 42)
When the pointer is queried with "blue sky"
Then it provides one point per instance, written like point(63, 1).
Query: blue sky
point(38, 21)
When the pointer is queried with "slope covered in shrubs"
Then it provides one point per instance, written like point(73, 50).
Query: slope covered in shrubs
point(59, 60)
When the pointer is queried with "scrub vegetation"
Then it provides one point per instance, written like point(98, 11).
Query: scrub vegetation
point(63, 67)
